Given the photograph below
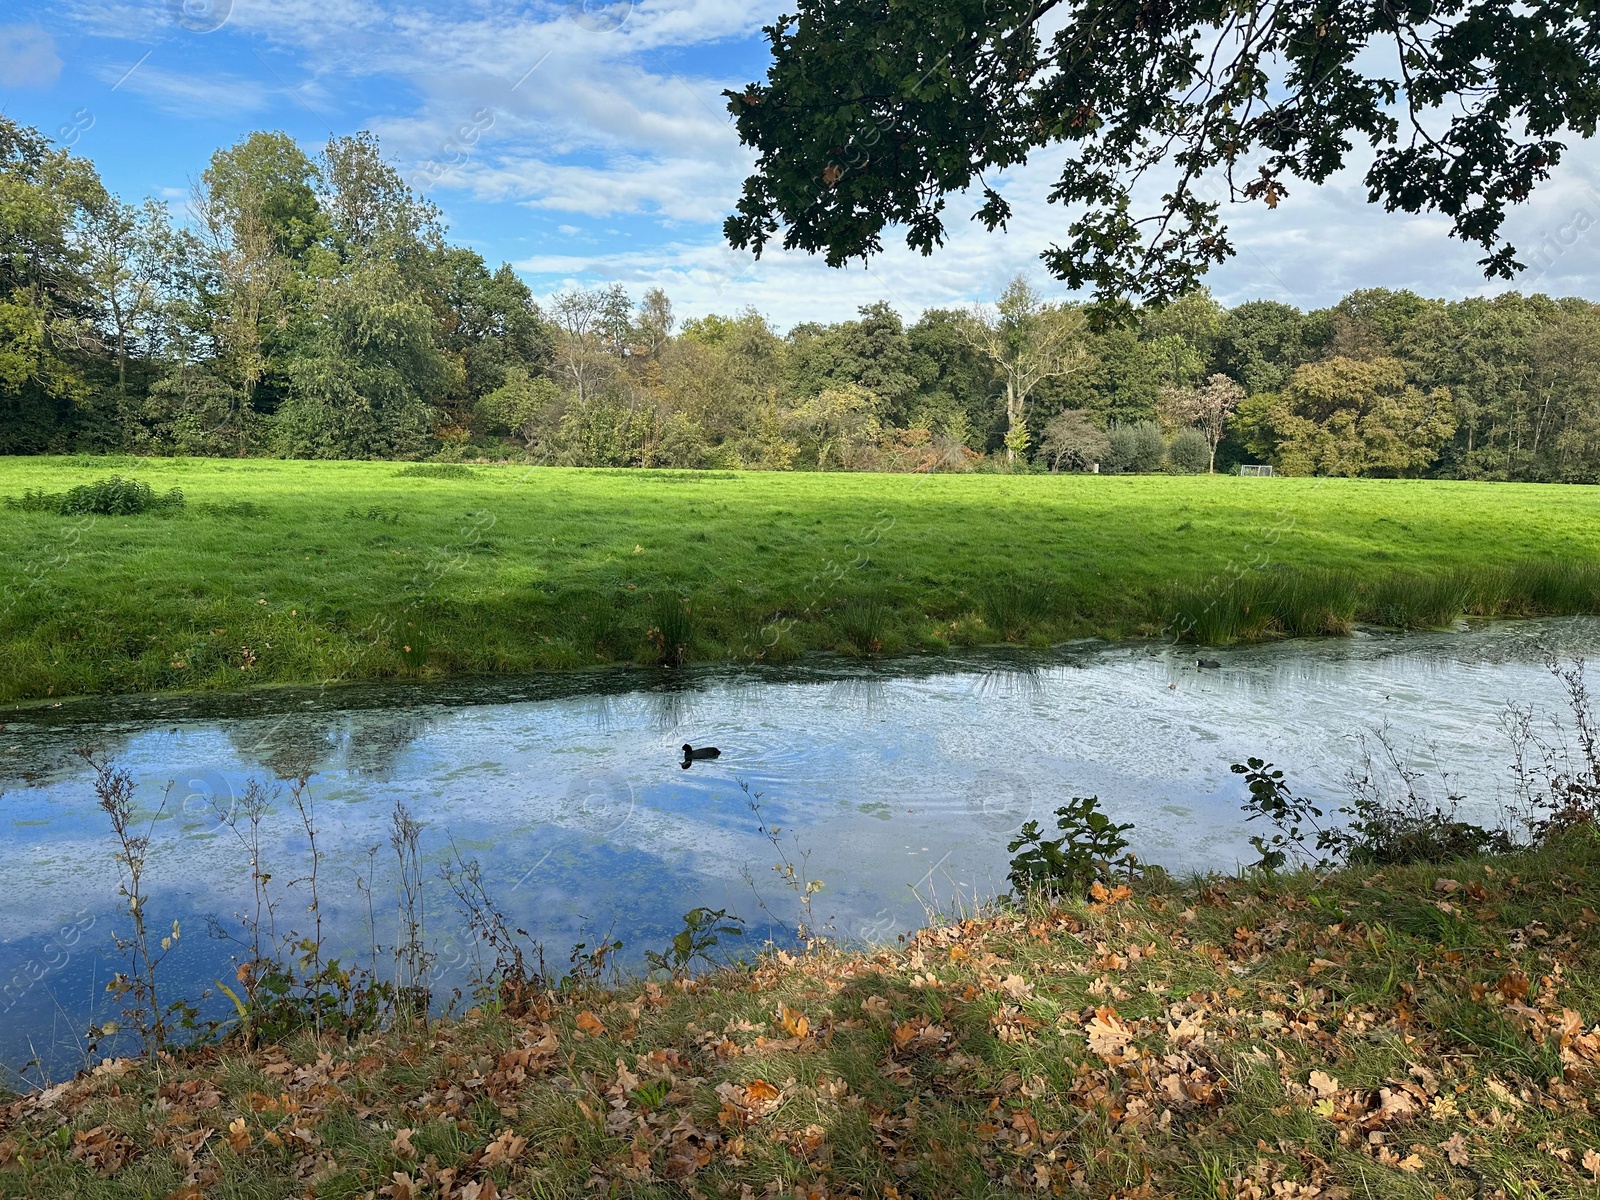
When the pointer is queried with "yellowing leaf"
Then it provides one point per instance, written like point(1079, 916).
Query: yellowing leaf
point(794, 1022)
point(760, 1092)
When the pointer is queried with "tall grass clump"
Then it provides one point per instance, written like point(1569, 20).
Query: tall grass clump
point(113, 497)
point(865, 622)
point(1309, 603)
point(671, 629)
point(1221, 610)
point(1012, 607)
point(435, 471)
point(1558, 588)
point(1417, 601)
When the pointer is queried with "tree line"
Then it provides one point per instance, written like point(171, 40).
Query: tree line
point(313, 306)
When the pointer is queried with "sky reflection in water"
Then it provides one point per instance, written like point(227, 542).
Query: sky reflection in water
point(898, 783)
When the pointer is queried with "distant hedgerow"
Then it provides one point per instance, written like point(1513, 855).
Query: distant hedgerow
point(113, 497)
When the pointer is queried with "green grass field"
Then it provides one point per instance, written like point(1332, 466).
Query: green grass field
point(303, 571)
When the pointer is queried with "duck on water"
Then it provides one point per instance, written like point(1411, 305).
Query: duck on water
point(691, 754)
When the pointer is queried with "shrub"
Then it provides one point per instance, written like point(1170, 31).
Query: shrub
point(1190, 453)
point(1383, 825)
point(1073, 442)
point(113, 497)
point(1089, 850)
point(1137, 449)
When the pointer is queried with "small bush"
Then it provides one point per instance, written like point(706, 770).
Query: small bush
point(1190, 453)
point(1089, 850)
point(113, 497)
point(1384, 825)
point(436, 471)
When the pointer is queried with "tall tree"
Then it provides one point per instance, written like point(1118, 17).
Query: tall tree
point(1028, 341)
point(128, 260)
point(46, 303)
point(1350, 416)
point(1206, 408)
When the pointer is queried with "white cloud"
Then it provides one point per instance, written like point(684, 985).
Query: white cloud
point(185, 93)
point(1317, 246)
point(28, 57)
point(610, 127)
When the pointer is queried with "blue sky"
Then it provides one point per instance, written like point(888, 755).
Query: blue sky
point(614, 159)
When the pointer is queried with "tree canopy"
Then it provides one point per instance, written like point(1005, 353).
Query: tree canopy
point(878, 112)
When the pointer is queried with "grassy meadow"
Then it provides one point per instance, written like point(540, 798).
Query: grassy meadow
point(1410, 1033)
point(279, 571)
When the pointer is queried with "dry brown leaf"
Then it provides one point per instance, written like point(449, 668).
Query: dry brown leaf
point(403, 1149)
point(1109, 1036)
point(1591, 1162)
point(239, 1135)
point(507, 1147)
point(1324, 1085)
point(1016, 987)
point(1455, 1149)
point(590, 1024)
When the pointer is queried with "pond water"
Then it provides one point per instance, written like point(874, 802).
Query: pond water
point(894, 784)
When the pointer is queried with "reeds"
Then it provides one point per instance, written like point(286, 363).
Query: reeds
point(671, 629)
point(1259, 605)
point(1014, 607)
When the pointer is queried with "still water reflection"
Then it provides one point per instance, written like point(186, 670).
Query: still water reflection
point(896, 785)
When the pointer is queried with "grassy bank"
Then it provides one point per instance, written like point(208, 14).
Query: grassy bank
point(1410, 1032)
point(298, 572)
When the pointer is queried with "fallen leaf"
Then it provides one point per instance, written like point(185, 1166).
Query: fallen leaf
point(1323, 1084)
point(590, 1024)
point(1108, 1035)
point(1455, 1149)
point(507, 1147)
point(403, 1149)
point(794, 1022)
